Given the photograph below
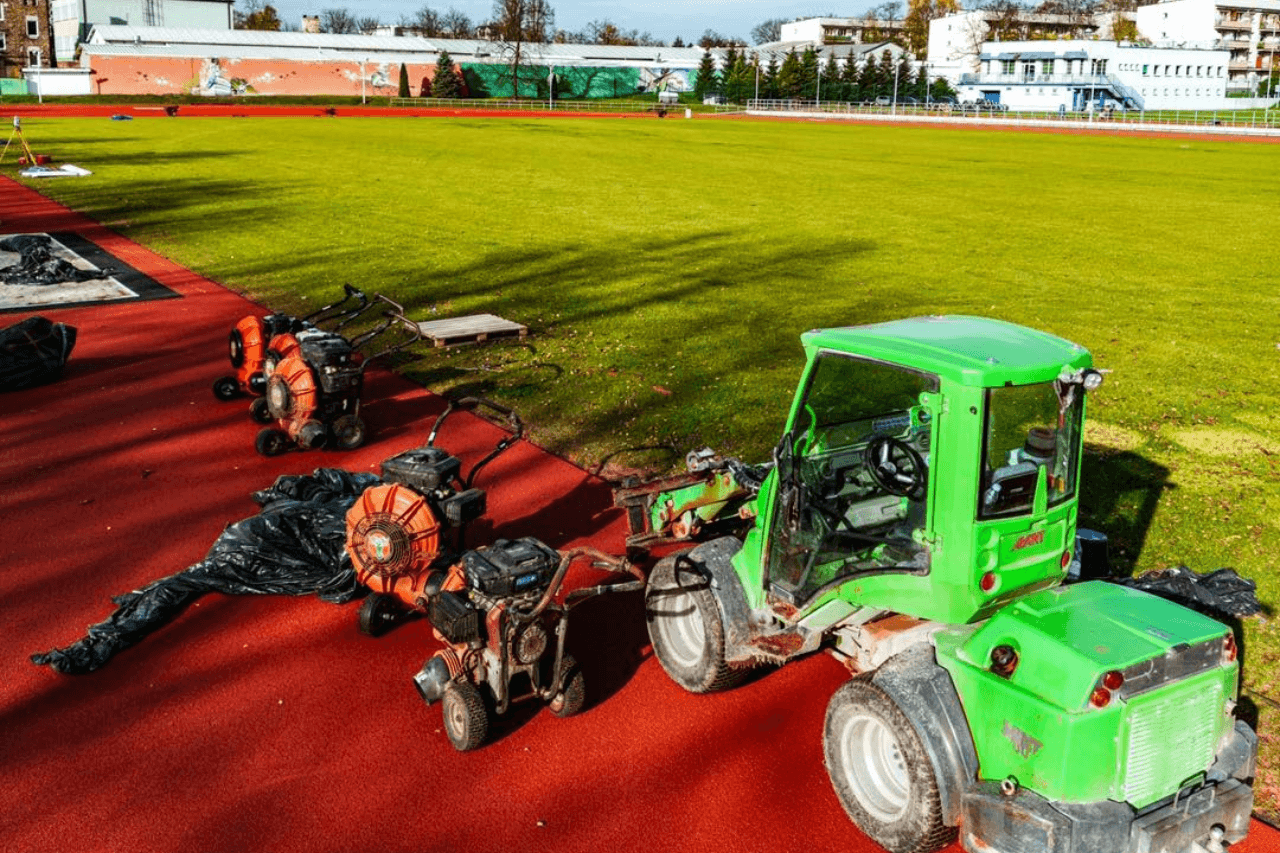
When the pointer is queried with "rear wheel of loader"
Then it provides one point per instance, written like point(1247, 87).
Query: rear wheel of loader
point(685, 627)
point(260, 411)
point(271, 442)
point(379, 614)
point(348, 432)
point(466, 720)
point(226, 388)
point(881, 771)
point(573, 689)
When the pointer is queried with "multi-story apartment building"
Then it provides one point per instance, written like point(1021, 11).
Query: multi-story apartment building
point(71, 20)
point(25, 37)
point(822, 31)
point(1248, 29)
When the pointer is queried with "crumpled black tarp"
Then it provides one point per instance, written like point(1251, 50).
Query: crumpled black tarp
point(293, 546)
point(1219, 594)
point(33, 351)
point(38, 265)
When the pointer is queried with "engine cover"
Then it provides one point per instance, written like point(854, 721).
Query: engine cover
point(509, 567)
point(424, 469)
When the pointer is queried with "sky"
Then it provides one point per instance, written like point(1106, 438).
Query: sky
point(663, 19)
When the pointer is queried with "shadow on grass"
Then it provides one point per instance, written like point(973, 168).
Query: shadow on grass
point(1119, 494)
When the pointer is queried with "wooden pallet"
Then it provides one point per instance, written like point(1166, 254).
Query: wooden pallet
point(472, 329)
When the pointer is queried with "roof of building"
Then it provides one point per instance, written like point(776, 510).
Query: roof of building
point(261, 44)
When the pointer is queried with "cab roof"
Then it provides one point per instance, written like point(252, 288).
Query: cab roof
point(975, 351)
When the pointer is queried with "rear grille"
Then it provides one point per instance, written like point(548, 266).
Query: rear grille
point(1171, 736)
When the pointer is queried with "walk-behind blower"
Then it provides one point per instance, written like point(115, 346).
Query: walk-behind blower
point(313, 391)
point(248, 341)
point(497, 610)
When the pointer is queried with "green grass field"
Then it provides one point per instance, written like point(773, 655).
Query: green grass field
point(666, 268)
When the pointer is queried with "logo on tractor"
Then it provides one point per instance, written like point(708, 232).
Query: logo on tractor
point(1023, 743)
point(1029, 540)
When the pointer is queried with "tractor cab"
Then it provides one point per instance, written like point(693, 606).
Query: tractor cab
point(929, 467)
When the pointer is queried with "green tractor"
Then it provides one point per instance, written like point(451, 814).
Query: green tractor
point(918, 521)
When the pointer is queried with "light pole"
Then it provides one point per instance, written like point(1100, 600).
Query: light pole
point(893, 108)
point(818, 96)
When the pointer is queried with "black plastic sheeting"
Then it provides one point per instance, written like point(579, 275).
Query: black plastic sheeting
point(294, 546)
point(38, 265)
point(1219, 594)
point(33, 352)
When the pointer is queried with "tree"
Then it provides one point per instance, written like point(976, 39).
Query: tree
point(851, 79)
point(915, 26)
point(769, 79)
point(404, 81)
point(444, 84)
point(1004, 20)
point(367, 25)
point(790, 79)
point(739, 80)
point(767, 31)
point(705, 83)
point(456, 24)
point(809, 74)
point(516, 22)
point(426, 22)
point(679, 42)
point(833, 88)
point(257, 16)
point(337, 21)
point(711, 38)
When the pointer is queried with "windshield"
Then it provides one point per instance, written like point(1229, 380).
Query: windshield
point(1030, 427)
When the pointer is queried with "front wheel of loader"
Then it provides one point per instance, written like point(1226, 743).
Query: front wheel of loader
point(466, 720)
point(881, 772)
point(271, 442)
point(226, 388)
point(685, 627)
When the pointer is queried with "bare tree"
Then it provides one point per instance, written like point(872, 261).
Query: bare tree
point(517, 22)
point(367, 25)
point(425, 22)
point(455, 23)
point(338, 22)
point(767, 31)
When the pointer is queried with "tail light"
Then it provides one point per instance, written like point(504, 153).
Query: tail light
point(987, 582)
point(1100, 698)
point(1229, 650)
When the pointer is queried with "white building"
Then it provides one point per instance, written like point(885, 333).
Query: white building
point(1248, 29)
point(73, 19)
point(822, 31)
point(1081, 73)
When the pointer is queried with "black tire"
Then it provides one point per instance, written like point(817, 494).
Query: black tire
point(259, 411)
point(379, 614)
point(226, 388)
point(466, 720)
point(348, 432)
point(881, 772)
point(271, 442)
point(685, 628)
point(573, 689)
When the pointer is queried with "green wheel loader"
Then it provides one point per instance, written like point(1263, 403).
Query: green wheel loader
point(918, 521)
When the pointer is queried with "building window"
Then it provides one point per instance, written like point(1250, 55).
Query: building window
point(4, 42)
point(33, 27)
point(1046, 67)
point(33, 56)
point(1144, 71)
point(1006, 66)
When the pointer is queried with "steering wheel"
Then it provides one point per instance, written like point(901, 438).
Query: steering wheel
point(896, 467)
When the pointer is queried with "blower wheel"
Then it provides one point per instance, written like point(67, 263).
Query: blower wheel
point(348, 432)
point(226, 388)
point(391, 532)
point(260, 411)
point(271, 442)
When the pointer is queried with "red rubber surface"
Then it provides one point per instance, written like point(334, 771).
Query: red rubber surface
point(271, 723)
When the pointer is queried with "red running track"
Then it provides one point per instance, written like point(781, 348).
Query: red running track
point(272, 723)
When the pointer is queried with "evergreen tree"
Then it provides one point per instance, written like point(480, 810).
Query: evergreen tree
point(851, 79)
point(808, 73)
point(445, 82)
point(790, 78)
point(706, 82)
point(769, 79)
point(833, 88)
point(740, 82)
point(906, 77)
point(404, 81)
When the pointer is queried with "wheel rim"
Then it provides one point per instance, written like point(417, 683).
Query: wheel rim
point(680, 624)
point(455, 716)
point(872, 765)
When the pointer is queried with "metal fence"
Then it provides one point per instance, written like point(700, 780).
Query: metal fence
point(532, 106)
point(1264, 122)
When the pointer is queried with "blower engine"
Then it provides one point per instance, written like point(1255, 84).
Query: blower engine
point(248, 342)
point(314, 381)
point(494, 609)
